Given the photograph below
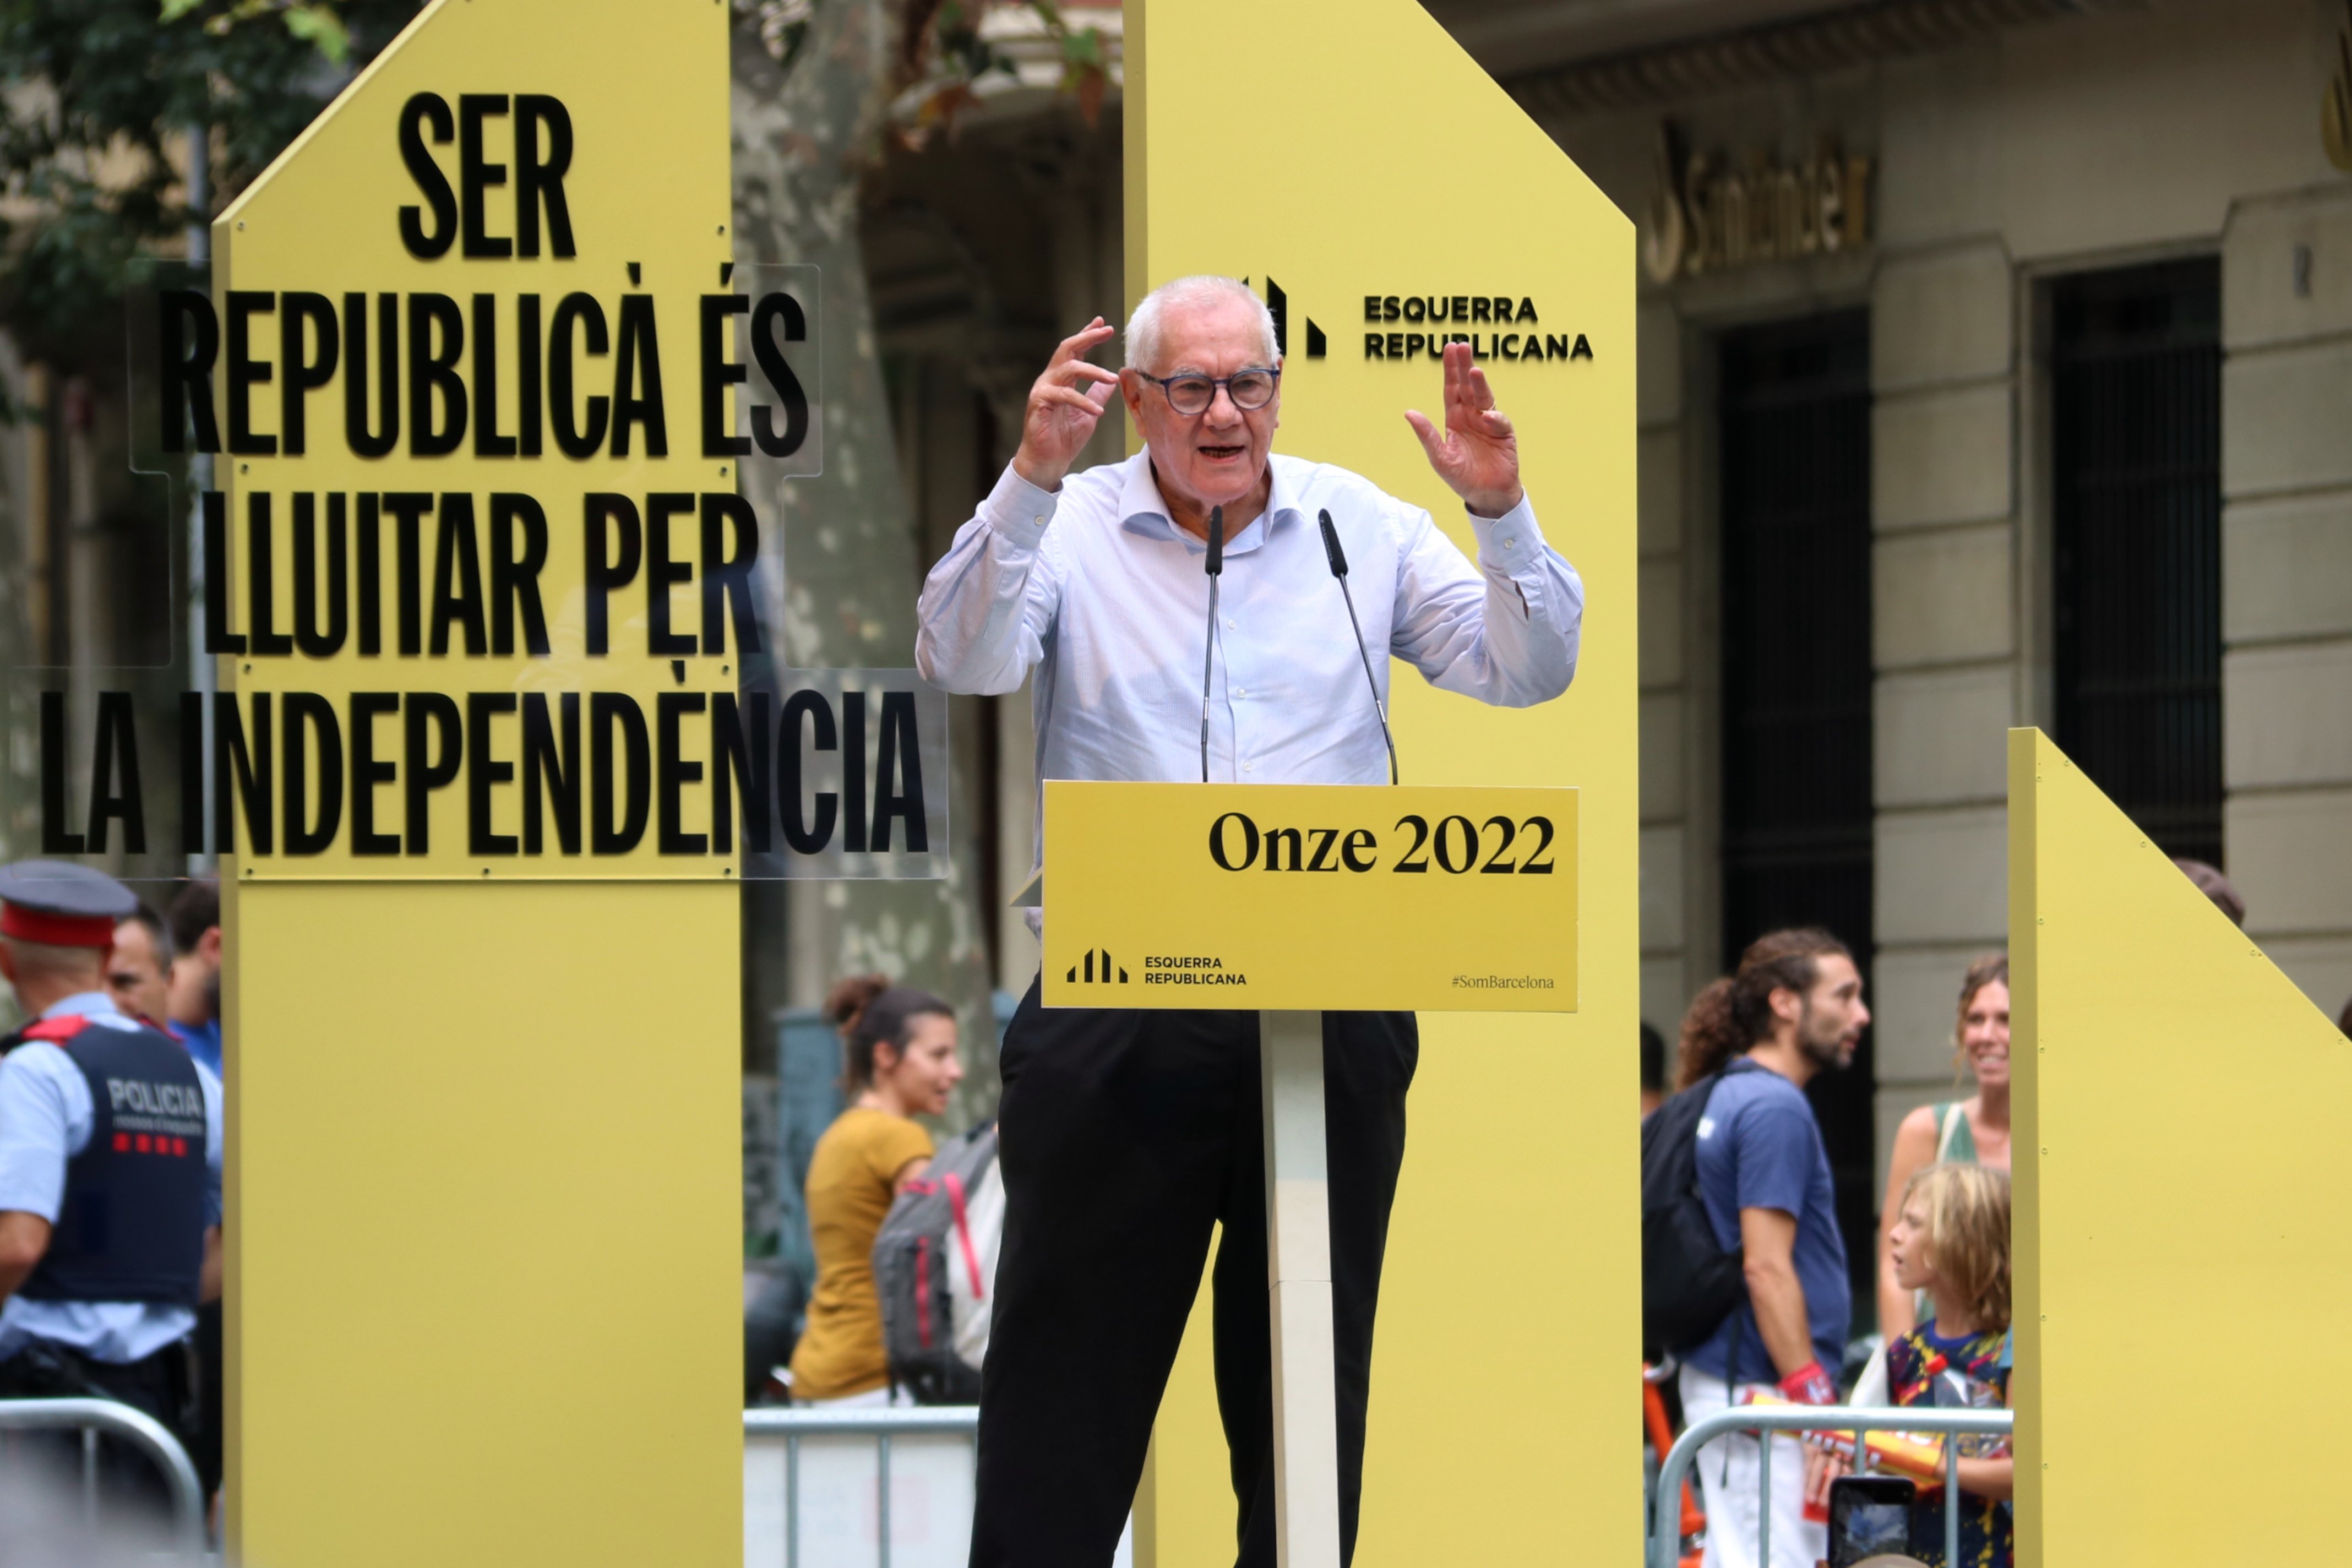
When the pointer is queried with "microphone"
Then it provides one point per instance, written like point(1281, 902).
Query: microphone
point(1338, 558)
point(1216, 568)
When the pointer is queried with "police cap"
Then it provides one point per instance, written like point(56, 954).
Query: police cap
point(62, 905)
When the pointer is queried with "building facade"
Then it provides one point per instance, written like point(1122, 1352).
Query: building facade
point(1996, 369)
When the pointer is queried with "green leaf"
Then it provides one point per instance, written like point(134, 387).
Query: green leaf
point(318, 25)
point(176, 9)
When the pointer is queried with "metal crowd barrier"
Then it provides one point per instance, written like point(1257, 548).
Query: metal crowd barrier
point(881, 1425)
point(92, 1417)
point(1665, 1529)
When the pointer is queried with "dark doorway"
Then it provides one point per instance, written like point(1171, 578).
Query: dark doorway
point(1796, 684)
point(2136, 454)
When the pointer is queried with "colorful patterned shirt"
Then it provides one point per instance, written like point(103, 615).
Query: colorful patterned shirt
point(1925, 1368)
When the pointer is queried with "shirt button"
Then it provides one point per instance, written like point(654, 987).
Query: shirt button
point(1249, 767)
point(1232, 626)
point(1038, 520)
point(1511, 545)
point(1240, 692)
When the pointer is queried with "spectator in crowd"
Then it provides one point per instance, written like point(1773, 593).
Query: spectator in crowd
point(1968, 1131)
point(195, 1020)
point(1792, 1010)
point(899, 1051)
point(138, 972)
point(1654, 1069)
point(1951, 1243)
point(196, 973)
point(2216, 886)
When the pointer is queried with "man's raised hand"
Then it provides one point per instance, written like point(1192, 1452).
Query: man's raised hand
point(1065, 406)
point(1478, 455)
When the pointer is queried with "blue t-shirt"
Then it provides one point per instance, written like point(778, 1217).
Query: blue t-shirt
point(203, 1040)
point(1759, 1148)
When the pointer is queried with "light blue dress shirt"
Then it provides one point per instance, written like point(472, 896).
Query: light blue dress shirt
point(46, 1119)
point(1098, 591)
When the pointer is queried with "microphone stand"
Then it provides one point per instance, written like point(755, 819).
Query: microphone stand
point(1338, 560)
point(1216, 568)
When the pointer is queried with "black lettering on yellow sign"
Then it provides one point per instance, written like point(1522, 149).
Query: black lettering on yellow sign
point(1237, 843)
point(1525, 347)
point(424, 364)
point(1456, 312)
point(539, 171)
point(287, 768)
point(483, 597)
point(1462, 310)
point(520, 366)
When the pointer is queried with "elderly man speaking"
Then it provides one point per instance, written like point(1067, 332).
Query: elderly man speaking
point(1128, 1135)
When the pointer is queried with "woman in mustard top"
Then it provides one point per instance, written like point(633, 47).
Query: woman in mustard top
point(899, 1051)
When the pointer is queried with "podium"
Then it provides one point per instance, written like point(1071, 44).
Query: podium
point(1290, 899)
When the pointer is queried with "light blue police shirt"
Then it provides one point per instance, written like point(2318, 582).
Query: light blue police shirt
point(46, 1119)
point(1096, 589)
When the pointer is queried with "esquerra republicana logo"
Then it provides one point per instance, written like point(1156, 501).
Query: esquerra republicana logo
point(1097, 970)
point(1496, 326)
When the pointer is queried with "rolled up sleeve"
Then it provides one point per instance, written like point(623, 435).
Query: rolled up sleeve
point(1504, 630)
point(986, 607)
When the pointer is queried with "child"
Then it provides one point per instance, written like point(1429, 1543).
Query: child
point(1951, 1240)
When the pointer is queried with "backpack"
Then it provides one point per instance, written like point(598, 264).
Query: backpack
point(930, 1218)
point(971, 1270)
point(1690, 1283)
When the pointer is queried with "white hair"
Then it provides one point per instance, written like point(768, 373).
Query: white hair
point(1143, 328)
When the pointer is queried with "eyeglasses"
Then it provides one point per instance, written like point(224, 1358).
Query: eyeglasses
point(1190, 393)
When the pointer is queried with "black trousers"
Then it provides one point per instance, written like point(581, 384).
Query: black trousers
point(1128, 1136)
point(204, 1447)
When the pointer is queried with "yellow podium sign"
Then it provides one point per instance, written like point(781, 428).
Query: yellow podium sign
point(1288, 900)
point(1310, 897)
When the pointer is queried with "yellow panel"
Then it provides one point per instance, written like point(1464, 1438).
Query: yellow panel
point(484, 1187)
point(2179, 1144)
point(1457, 900)
point(1386, 163)
point(1191, 1529)
point(485, 1201)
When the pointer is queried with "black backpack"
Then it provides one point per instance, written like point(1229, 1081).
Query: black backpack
point(1690, 1283)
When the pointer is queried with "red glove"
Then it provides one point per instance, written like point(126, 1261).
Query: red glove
point(1808, 1384)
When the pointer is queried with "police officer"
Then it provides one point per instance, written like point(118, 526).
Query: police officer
point(110, 1167)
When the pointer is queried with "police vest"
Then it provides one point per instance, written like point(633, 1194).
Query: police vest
point(132, 1225)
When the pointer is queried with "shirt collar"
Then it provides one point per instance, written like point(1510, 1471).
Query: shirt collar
point(1143, 509)
point(85, 1004)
